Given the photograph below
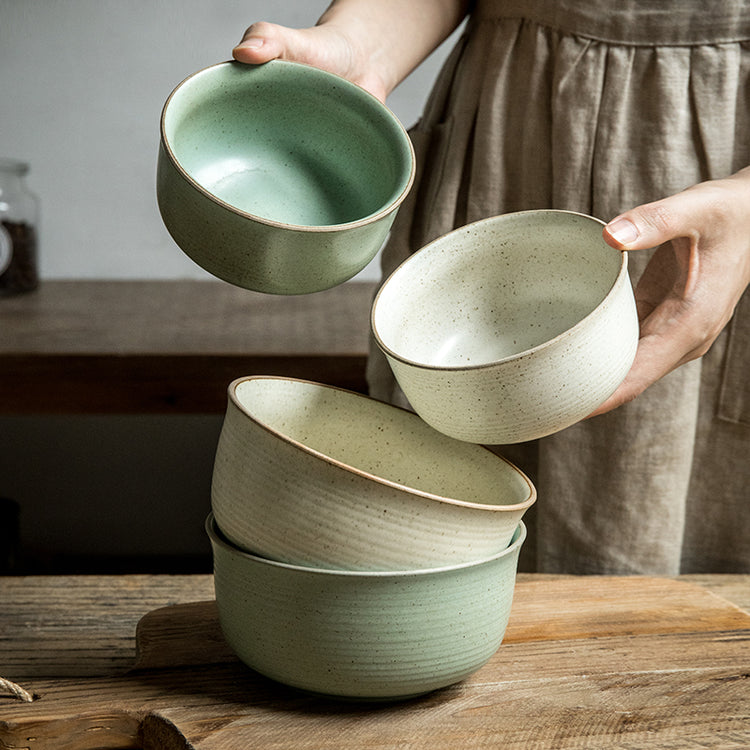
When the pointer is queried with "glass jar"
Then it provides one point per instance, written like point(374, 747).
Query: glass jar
point(19, 214)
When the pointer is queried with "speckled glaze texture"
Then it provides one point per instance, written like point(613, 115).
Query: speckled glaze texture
point(280, 177)
point(315, 475)
point(510, 328)
point(363, 635)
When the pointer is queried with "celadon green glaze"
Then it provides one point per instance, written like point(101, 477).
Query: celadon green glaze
point(280, 177)
point(359, 635)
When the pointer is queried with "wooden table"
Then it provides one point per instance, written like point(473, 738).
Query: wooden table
point(83, 347)
point(626, 663)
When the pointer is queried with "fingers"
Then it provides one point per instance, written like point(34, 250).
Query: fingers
point(654, 223)
point(323, 46)
point(667, 343)
point(713, 209)
point(689, 289)
point(636, 381)
point(265, 41)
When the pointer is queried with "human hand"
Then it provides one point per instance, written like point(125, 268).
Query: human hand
point(373, 44)
point(690, 287)
point(326, 46)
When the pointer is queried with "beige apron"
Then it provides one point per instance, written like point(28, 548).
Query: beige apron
point(595, 106)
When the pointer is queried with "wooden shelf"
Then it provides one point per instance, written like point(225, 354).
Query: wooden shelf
point(84, 347)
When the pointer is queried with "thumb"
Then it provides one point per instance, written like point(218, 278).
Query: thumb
point(649, 225)
point(265, 41)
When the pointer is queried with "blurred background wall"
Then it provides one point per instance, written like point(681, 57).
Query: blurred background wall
point(82, 83)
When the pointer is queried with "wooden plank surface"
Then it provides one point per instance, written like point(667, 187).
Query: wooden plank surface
point(595, 607)
point(667, 691)
point(182, 317)
point(82, 626)
point(572, 608)
point(85, 626)
point(558, 688)
point(171, 346)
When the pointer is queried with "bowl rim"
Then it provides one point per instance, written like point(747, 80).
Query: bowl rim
point(344, 83)
point(217, 537)
point(524, 504)
point(620, 279)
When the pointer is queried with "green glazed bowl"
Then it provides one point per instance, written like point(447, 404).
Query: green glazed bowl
point(280, 178)
point(360, 635)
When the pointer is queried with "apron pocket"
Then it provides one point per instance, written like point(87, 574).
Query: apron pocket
point(734, 395)
point(434, 214)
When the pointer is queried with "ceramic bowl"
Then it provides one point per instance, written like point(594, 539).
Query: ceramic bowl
point(510, 328)
point(280, 177)
point(367, 635)
point(315, 475)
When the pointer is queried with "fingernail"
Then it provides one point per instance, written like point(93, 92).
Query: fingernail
point(253, 42)
point(623, 231)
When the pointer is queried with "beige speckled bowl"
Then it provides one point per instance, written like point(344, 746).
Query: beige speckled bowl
point(315, 475)
point(367, 635)
point(281, 178)
point(510, 328)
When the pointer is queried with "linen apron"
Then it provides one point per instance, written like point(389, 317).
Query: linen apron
point(597, 107)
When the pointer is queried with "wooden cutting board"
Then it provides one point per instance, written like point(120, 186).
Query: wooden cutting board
point(587, 607)
point(603, 662)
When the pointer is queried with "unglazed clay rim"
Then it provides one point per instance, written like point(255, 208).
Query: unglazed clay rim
point(370, 219)
point(215, 535)
point(620, 279)
point(530, 500)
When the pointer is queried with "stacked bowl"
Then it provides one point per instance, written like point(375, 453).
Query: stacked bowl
point(358, 552)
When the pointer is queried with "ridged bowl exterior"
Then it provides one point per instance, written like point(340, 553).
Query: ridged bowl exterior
point(543, 277)
point(362, 635)
point(315, 475)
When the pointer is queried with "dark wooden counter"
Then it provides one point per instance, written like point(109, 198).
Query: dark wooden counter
point(84, 347)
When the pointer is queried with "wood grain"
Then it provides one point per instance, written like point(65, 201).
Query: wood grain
point(592, 607)
point(572, 608)
point(607, 692)
point(82, 626)
point(639, 677)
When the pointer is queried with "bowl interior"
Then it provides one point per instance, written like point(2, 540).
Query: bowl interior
point(381, 441)
point(287, 143)
point(496, 288)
